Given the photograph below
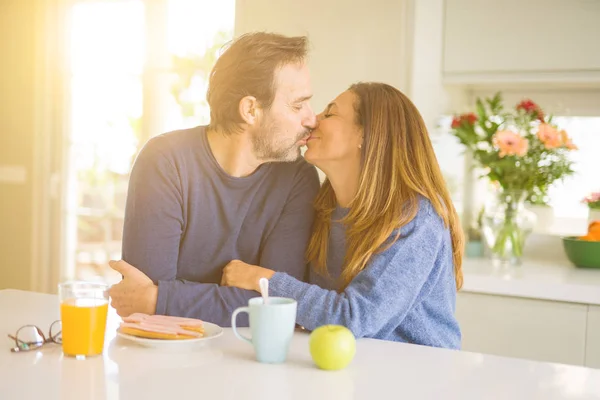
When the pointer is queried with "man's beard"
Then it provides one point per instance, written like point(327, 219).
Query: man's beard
point(267, 147)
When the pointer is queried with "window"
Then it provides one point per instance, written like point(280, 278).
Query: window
point(565, 197)
point(107, 59)
point(449, 153)
point(137, 69)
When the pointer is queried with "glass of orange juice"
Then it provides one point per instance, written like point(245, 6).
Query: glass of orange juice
point(83, 309)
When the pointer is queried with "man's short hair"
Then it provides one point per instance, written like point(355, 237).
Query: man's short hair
point(247, 68)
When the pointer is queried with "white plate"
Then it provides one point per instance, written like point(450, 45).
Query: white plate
point(211, 331)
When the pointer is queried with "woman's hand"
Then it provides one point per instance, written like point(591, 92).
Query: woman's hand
point(244, 276)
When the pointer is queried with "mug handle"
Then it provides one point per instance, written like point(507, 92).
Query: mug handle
point(233, 323)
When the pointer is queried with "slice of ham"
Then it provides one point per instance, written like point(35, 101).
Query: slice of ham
point(136, 317)
point(163, 319)
point(169, 329)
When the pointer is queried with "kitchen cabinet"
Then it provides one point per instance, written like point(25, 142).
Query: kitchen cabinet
point(521, 41)
point(592, 351)
point(533, 329)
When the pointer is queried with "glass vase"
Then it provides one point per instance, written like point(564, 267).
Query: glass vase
point(594, 215)
point(506, 223)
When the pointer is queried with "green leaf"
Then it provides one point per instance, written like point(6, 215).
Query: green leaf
point(481, 114)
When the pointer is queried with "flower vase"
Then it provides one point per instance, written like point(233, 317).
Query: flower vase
point(594, 215)
point(474, 249)
point(506, 225)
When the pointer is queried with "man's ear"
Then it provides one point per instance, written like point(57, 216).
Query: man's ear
point(249, 110)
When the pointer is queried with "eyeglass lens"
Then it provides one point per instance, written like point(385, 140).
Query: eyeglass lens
point(31, 337)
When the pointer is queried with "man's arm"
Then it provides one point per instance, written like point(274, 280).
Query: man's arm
point(154, 223)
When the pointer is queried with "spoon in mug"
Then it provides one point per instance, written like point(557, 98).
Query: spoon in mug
point(263, 283)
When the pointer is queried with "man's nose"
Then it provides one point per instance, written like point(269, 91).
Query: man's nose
point(311, 121)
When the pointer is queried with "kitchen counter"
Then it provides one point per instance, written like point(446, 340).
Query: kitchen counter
point(544, 280)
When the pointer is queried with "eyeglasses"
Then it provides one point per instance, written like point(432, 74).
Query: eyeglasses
point(30, 337)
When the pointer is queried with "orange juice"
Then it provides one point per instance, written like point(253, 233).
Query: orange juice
point(83, 326)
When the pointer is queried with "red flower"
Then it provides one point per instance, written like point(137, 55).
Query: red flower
point(531, 108)
point(540, 115)
point(468, 118)
point(527, 105)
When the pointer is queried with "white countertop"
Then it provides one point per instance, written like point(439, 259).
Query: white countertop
point(534, 279)
point(225, 369)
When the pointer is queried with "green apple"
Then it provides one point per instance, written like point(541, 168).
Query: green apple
point(332, 347)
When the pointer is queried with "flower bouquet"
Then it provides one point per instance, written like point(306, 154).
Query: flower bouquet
point(522, 153)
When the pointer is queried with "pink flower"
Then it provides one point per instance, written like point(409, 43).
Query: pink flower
point(510, 143)
point(567, 141)
point(549, 136)
point(591, 198)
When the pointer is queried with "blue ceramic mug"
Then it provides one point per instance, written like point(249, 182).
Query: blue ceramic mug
point(271, 326)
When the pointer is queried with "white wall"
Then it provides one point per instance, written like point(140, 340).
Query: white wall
point(17, 46)
point(426, 89)
point(433, 99)
point(352, 40)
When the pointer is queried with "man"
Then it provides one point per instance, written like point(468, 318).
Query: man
point(201, 197)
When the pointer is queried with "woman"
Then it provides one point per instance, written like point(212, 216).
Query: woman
point(386, 247)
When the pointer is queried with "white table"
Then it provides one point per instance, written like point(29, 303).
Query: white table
point(226, 370)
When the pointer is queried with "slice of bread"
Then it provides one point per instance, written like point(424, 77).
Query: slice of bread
point(153, 335)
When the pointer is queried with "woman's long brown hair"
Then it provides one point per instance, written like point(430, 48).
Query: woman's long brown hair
point(398, 164)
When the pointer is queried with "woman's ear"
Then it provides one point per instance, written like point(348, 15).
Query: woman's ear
point(249, 110)
point(361, 139)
